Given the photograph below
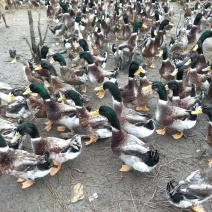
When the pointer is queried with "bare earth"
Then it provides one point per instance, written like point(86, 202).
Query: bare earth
point(97, 168)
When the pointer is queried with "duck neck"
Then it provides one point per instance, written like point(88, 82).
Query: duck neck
point(165, 55)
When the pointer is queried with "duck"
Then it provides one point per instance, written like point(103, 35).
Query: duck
point(179, 44)
point(159, 37)
point(150, 48)
point(96, 127)
point(95, 73)
point(192, 34)
point(206, 109)
point(187, 9)
point(143, 96)
point(22, 164)
point(56, 112)
point(184, 91)
point(170, 116)
point(77, 77)
point(168, 69)
point(135, 123)
point(150, 7)
point(191, 192)
point(130, 149)
point(199, 80)
point(16, 109)
point(131, 44)
point(126, 31)
point(104, 26)
point(59, 150)
point(201, 63)
point(129, 92)
point(188, 102)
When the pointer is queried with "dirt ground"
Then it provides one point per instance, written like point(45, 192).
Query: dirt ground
point(97, 168)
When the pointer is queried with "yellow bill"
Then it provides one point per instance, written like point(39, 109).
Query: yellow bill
point(167, 87)
point(144, 26)
point(160, 53)
point(10, 97)
point(16, 137)
point(195, 47)
point(76, 58)
point(207, 68)
point(13, 61)
point(62, 98)
point(147, 88)
point(198, 111)
point(174, 72)
point(188, 62)
point(140, 70)
point(155, 32)
point(27, 91)
point(171, 24)
point(38, 68)
point(94, 113)
point(100, 88)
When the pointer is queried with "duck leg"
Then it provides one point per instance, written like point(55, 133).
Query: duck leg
point(27, 183)
point(55, 170)
point(138, 106)
point(20, 180)
point(61, 128)
point(142, 108)
point(161, 131)
point(178, 135)
point(152, 65)
point(125, 168)
point(101, 94)
point(49, 125)
point(93, 139)
point(145, 62)
point(3, 16)
point(198, 208)
point(84, 88)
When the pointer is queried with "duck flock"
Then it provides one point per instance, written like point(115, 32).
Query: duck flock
point(134, 33)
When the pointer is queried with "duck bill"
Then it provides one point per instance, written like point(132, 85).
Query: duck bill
point(38, 68)
point(62, 98)
point(195, 47)
point(171, 24)
point(155, 32)
point(27, 91)
point(100, 88)
point(50, 52)
point(16, 137)
point(10, 97)
point(94, 113)
point(76, 58)
point(96, 29)
point(167, 87)
point(57, 7)
point(13, 61)
point(88, 38)
point(188, 62)
point(174, 72)
point(206, 69)
point(144, 26)
point(52, 61)
point(196, 112)
point(147, 88)
point(140, 70)
point(160, 53)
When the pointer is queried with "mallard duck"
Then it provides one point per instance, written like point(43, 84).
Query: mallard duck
point(104, 26)
point(150, 7)
point(96, 74)
point(16, 109)
point(187, 9)
point(78, 77)
point(7, 95)
point(192, 35)
point(131, 150)
point(180, 43)
point(159, 37)
point(131, 44)
point(97, 127)
point(170, 116)
point(192, 191)
point(129, 92)
point(150, 48)
point(45, 68)
point(126, 31)
point(22, 164)
point(132, 122)
point(56, 112)
point(188, 102)
point(199, 80)
point(60, 150)
point(167, 70)
point(201, 63)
